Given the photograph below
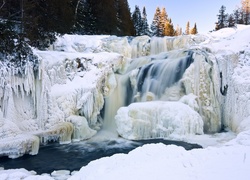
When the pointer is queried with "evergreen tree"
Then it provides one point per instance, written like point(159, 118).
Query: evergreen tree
point(237, 16)
point(231, 21)
point(164, 22)
point(156, 26)
point(222, 18)
point(187, 31)
point(194, 30)
point(145, 26)
point(137, 20)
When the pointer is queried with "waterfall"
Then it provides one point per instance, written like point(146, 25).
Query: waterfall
point(146, 80)
point(114, 102)
point(167, 76)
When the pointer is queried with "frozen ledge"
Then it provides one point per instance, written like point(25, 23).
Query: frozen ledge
point(17, 146)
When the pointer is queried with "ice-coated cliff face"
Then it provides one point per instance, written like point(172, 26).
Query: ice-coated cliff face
point(60, 102)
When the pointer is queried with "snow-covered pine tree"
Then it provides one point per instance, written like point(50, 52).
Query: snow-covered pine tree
point(156, 26)
point(238, 16)
point(137, 20)
point(222, 18)
point(145, 26)
point(231, 21)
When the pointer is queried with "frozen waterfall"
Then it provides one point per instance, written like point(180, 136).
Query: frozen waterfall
point(130, 85)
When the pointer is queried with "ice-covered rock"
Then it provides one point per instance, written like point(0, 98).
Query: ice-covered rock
point(157, 119)
point(202, 80)
point(81, 128)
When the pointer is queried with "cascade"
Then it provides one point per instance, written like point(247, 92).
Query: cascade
point(154, 78)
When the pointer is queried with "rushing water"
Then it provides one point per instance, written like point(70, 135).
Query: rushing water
point(75, 155)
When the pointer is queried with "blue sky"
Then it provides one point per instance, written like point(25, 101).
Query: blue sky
point(202, 12)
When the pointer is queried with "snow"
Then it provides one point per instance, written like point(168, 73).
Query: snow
point(66, 95)
point(158, 161)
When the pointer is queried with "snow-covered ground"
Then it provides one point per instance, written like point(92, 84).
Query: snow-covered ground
point(79, 73)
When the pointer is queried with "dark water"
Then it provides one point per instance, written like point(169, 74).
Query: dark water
point(75, 155)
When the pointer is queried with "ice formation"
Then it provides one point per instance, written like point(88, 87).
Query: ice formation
point(157, 119)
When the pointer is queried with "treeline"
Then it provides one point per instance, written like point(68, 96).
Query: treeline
point(161, 25)
point(240, 15)
point(40, 20)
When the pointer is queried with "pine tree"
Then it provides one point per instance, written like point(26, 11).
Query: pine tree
point(194, 30)
point(164, 21)
point(145, 26)
point(137, 20)
point(236, 15)
point(156, 26)
point(187, 31)
point(222, 18)
point(231, 21)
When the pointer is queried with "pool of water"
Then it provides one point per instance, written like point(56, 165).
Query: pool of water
point(73, 156)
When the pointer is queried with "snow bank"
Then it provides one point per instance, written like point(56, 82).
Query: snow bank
point(158, 161)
